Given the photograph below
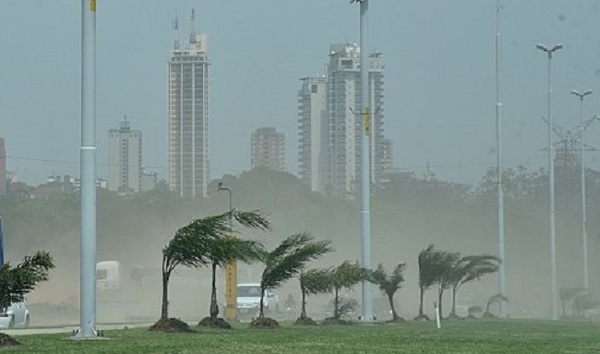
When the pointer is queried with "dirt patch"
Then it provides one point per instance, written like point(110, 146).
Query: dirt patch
point(422, 318)
point(214, 323)
point(306, 321)
point(397, 320)
point(7, 341)
point(264, 323)
point(336, 321)
point(171, 325)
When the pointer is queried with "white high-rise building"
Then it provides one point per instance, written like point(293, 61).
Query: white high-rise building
point(313, 132)
point(340, 128)
point(188, 117)
point(125, 159)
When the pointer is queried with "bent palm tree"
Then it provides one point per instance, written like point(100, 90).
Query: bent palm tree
point(389, 284)
point(447, 262)
point(312, 282)
point(345, 276)
point(471, 268)
point(430, 267)
point(287, 259)
point(492, 300)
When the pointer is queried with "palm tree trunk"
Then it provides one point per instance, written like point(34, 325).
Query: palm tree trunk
point(214, 306)
point(421, 301)
point(391, 300)
point(336, 303)
point(440, 293)
point(303, 311)
point(261, 312)
point(164, 311)
point(453, 312)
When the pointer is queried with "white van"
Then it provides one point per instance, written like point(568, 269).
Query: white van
point(108, 276)
point(248, 299)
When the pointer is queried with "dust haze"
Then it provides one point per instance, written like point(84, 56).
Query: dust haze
point(409, 212)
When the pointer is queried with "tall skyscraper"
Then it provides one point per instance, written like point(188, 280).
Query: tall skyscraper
point(188, 117)
point(268, 149)
point(2, 167)
point(125, 158)
point(339, 145)
point(313, 132)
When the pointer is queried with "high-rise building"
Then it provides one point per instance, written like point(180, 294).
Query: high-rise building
point(313, 132)
point(268, 149)
point(125, 158)
point(2, 167)
point(188, 117)
point(387, 156)
point(340, 143)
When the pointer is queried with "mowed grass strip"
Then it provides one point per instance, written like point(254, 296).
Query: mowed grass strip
point(411, 337)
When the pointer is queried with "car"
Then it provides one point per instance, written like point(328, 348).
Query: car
point(15, 315)
point(248, 299)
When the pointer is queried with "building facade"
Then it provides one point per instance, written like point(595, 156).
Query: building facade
point(268, 149)
point(2, 167)
point(125, 159)
point(312, 124)
point(339, 146)
point(188, 118)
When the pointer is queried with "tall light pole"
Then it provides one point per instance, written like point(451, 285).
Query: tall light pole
point(88, 171)
point(549, 52)
point(230, 267)
point(583, 201)
point(367, 300)
point(499, 181)
point(222, 188)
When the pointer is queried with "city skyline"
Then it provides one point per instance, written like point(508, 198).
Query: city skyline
point(439, 92)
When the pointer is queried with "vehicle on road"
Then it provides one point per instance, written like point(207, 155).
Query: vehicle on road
point(15, 315)
point(248, 300)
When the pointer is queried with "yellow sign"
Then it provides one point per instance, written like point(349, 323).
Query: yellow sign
point(93, 5)
point(231, 312)
point(367, 122)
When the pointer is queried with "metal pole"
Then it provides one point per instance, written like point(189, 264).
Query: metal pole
point(88, 171)
point(499, 170)
point(581, 97)
point(367, 301)
point(552, 206)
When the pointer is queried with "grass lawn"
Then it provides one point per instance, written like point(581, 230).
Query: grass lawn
point(514, 336)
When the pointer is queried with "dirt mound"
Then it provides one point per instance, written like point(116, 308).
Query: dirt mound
point(306, 321)
point(422, 318)
point(214, 323)
point(335, 321)
point(7, 341)
point(264, 323)
point(171, 325)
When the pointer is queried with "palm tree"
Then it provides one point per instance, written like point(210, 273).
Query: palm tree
point(18, 281)
point(471, 268)
point(492, 300)
point(285, 261)
point(389, 284)
point(345, 276)
point(218, 247)
point(446, 263)
point(568, 294)
point(430, 267)
point(312, 282)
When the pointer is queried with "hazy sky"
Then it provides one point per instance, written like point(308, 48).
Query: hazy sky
point(439, 79)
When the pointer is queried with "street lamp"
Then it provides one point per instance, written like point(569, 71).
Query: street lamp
point(583, 201)
point(549, 52)
point(367, 301)
point(499, 181)
point(222, 188)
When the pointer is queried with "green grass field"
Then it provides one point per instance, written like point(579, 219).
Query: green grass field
point(455, 337)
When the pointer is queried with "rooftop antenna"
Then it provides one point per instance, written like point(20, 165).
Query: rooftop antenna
point(193, 28)
point(176, 33)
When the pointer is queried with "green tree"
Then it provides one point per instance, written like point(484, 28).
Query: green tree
point(345, 276)
point(17, 281)
point(389, 284)
point(444, 268)
point(312, 282)
point(568, 294)
point(287, 259)
point(493, 300)
point(470, 268)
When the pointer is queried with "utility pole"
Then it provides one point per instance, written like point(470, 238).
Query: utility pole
point(88, 171)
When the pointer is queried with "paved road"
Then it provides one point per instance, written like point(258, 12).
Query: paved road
point(67, 329)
